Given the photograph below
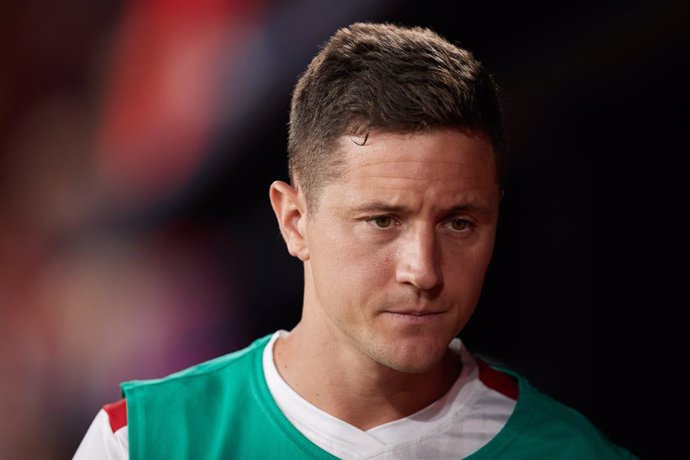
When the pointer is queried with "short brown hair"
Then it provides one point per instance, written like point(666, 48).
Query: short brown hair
point(383, 76)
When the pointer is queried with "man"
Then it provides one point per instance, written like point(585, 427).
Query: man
point(396, 155)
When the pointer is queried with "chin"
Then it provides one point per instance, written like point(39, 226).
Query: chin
point(413, 368)
point(413, 359)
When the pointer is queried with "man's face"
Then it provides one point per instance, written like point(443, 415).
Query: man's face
point(398, 247)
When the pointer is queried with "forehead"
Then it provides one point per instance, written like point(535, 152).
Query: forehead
point(438, 167)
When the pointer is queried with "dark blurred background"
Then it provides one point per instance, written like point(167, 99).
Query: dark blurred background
point(138, 140)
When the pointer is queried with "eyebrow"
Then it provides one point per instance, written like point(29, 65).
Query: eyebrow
point(380, 206)
point(469, 207)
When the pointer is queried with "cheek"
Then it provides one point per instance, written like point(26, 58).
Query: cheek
point(465, 271)
point(346, 271)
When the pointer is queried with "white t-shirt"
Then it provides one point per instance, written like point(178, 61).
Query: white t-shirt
point(463, 420)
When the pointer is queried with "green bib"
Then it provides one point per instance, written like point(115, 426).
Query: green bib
point(223, 409)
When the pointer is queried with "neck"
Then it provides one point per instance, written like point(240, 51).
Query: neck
point(351, 386)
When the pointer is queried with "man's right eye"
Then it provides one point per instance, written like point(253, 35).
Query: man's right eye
point(380, 221)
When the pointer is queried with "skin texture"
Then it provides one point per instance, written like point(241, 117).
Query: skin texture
point(394, 261)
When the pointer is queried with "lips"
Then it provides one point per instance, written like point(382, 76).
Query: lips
point(415, 312)
point(414, 315)
point(413, 307)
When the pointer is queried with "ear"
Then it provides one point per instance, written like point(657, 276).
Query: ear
point(290, 209)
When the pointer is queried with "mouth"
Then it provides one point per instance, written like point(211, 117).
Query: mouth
point(414, 316)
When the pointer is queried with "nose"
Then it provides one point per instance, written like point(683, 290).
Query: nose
point(419, 261)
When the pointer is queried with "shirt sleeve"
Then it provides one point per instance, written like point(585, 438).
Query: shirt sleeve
point(101, 443)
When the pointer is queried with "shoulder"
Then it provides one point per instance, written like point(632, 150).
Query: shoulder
point(209, 388)
point(568, 427)
point(545, 427)
point(110, 432)
point(557, 418)
point(238, 363)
